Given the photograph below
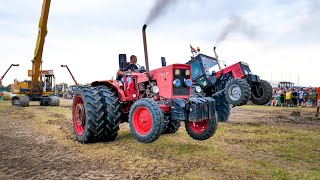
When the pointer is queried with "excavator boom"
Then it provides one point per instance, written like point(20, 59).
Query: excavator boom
point(37, 60)
point(76, 83)
point(7, 72)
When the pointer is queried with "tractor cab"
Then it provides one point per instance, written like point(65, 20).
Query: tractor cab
point(204, 69)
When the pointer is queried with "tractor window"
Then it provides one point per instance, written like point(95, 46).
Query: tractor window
point(209, 65)
point(196, 70)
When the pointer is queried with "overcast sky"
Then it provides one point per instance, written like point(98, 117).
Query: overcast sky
point(278, 38)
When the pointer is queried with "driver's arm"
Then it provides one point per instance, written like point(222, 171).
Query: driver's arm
point(120, 72)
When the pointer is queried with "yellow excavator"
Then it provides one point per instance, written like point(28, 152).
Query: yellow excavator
point(41, 87)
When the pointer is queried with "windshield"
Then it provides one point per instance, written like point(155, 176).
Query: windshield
point(209, 65)
point(196, 69)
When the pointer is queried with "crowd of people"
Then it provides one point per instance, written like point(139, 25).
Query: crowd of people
point(293, 97)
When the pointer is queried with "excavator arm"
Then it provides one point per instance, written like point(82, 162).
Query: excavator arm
point(7, 72)
point(37, 60)
point(71, 74)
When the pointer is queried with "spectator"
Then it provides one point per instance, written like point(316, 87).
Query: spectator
point(300, 96)
point(309, 103)
point(318, 103)
point(294, 95)
point(305, 94)
point(282, 98)
point(288, 98)
point(274, 102)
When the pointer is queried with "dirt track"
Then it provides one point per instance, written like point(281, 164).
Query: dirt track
point(38, 143)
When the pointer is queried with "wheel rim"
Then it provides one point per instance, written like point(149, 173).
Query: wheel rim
point(79, 116)
point(142, 120)
point(199, 127)
point(234, 92)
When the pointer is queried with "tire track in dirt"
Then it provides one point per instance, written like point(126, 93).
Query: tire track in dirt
point(26, 155)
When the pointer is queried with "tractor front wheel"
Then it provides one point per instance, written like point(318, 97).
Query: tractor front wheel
point(261, 94)
point(237, 92)
point(202, 130)
point(146, 120)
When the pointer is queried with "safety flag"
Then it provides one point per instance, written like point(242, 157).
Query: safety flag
point(193, 50)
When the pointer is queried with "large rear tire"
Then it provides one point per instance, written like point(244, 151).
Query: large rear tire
point(261, 94)
point(237, 92)
point(222, 106)
point(112, 111)
point(146, 120)
point(201, 130)
point(88, 115)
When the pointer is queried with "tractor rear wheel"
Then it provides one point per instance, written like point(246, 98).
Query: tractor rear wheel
point(112, 111)
point(146, 120)
point(88, 115)
point(261, 94)
point(222, 106)
point(172, 126)
point(237, 92)
point(201, 130)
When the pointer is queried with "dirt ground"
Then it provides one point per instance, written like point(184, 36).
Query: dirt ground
point(258, 142)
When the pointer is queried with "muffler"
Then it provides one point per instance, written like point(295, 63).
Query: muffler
point(146, 51)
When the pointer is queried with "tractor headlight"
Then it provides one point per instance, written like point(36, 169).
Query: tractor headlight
point(188, 82)
point(177, 83)
point(155, 89)
point(177, 72)
point(198, 89)
point(187, 72)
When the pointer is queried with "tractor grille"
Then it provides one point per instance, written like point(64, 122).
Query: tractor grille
point(183, 90)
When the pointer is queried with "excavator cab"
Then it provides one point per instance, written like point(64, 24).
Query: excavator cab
point(48, 84)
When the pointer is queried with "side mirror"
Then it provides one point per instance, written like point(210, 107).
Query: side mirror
point(163, 61)
point(122, 62)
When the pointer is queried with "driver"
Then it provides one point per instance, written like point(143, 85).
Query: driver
point(132, 67)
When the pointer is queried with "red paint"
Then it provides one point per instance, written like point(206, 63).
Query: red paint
point(164, 77)
point(165, 108)
point(142, 120)
point(235, 69)
point(199, 127)
point(79, 115)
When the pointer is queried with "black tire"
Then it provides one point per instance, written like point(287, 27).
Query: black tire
point(112, 109)
point(222, 106)
point(261, 94)
point(54, 101)
point(172, 126)
point(24, 101)
point(146, 120)
point(15, 101)
point(204, 133)
point(237, 92)
point(88, 115)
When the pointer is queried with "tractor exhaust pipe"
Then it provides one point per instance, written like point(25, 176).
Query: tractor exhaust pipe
point(146, 51)
point(217, 57)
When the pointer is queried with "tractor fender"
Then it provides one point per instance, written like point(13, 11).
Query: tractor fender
point(112, 84)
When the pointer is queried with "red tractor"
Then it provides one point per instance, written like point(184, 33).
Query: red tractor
point(233, 85)
point(152, 102)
